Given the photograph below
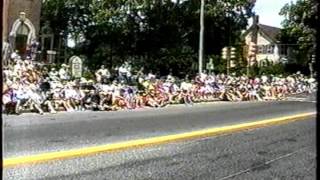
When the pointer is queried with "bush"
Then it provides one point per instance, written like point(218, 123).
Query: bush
point(273, 69)
point(88, 75)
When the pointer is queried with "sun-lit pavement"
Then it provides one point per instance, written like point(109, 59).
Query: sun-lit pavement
point(278, 152)
point(33, 134)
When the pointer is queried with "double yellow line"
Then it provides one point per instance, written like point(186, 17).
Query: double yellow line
point(16, 161)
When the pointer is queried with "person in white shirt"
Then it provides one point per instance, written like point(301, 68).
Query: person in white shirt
point(68, 93)
point(128, 69)
point(54, 75)
point(264, 78)
point(122, 72)
point(203, 76)
point(186, 87)
point(14, 55)
point(102, 73)
point(63, 72)
point(151, 75)
point(77, 98)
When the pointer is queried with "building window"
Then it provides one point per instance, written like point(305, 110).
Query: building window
point(260, 50)
point(270, 49)
point(266, 49)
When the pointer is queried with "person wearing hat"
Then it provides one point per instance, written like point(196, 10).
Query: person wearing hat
point(53, 74)
point(63, 72)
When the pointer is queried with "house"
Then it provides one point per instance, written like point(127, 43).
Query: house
point(269, 49)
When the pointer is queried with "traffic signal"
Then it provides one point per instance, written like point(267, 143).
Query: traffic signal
point(232, 63)
point(252, 49)
point(233, 53)
point(313, 58)
point(225, 53)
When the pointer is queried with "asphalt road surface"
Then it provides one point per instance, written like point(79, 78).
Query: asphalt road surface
point(34, 134)
point(273, 152)
point(277, 152)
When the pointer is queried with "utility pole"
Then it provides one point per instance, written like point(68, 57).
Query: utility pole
point(201, 36)
point(252, 58)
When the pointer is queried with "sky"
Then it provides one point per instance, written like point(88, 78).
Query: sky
point(268, 11)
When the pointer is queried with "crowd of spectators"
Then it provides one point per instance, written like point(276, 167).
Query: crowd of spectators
point(28, 86)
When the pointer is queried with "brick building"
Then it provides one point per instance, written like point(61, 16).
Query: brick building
point(21, 23)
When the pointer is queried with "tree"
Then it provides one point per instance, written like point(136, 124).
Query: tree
point(300, 28)
point(158, 34)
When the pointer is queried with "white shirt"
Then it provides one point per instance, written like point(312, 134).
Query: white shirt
point(264, 79)
point(106, 88)
point(63, 73)
point(104, 72)
point(14, 55)
point(69, 93)
point(151, 76)
point(17, 69)
point(122, 70)
point(54, 75)
point(203, 77)
point(186, 86)
point(22, 93)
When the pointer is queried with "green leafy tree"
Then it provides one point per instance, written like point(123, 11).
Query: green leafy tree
point(300, 28)
point(158, 34)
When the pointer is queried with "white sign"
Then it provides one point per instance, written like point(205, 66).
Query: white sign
point(76, 66)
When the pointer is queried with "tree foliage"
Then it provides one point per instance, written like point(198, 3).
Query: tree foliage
point(300, 27)
point(158, 34)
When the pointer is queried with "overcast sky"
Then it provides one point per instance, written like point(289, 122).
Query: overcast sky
point(268, 11)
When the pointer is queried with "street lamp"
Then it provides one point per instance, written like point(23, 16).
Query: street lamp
point(201, 36)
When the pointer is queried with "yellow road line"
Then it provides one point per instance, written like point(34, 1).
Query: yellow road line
point(11, 162)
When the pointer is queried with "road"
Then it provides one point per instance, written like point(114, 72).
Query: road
point(208, 158)
point(33, 134)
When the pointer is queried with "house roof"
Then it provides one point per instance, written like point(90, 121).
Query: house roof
point(269, 32)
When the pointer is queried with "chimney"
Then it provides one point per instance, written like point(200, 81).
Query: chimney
point(255, 19)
